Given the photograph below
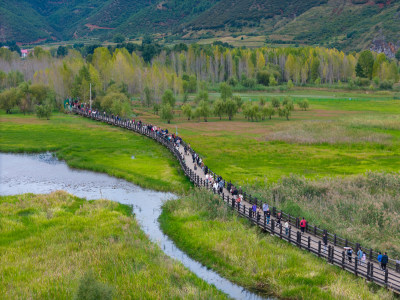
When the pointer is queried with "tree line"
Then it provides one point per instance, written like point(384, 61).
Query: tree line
point(121, 72)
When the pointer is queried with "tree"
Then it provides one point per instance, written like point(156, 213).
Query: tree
point(219, 108)
point(231, 108)
point(303, 104)
point(226, 91)
point(119, 38)
point(156, 108)
point(147, 96)
point(9, 99)
point(366, 62)
point(203, 110)
point(168, 97)
point(285, 112)
point(43, 111)
point(267, 111)
point(290, 84)
point(167, 112)
point(202, 95)
point(359, 71)
point(238, 100)
point(116, 103)
point(62, 51)
point(272, 80)
point(275, 102)
point(187, 111)
point(263, 77)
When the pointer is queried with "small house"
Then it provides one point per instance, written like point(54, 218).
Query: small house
point(24, 53)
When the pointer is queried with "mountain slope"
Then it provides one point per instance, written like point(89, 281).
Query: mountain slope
point(345, 24)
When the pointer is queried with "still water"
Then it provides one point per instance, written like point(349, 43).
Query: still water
point(43, 173)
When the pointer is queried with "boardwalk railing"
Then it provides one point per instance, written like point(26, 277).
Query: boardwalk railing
point(312, 241)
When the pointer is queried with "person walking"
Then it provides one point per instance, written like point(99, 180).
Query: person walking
point(384, 261)
point(364, 258)
point(360, 256)
point(268, 216)
point(265, 208)
point(379, 258)
point(254, 210)
point(286, 228)
point(349, 252)
point(325, 241)
point(303, 225)
point(221, 186)
point(278, 219)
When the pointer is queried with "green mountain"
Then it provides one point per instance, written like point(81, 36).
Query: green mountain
point(345, 24)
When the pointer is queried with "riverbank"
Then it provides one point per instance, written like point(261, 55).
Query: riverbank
point(209, 232)
point(55, 245)
point(98, 147)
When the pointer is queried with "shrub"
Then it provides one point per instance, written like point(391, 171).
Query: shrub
point(386, 85)
point(91, 289)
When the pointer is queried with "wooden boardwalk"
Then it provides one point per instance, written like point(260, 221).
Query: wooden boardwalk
point(311, 240)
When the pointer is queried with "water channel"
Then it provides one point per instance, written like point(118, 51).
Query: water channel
point(43, 173)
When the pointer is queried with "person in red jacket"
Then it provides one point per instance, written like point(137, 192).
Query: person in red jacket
point(303, 225)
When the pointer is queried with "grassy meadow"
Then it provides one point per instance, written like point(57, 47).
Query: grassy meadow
point(209, 231)
point(336, 164)
point(58, 246)
point(94, 146)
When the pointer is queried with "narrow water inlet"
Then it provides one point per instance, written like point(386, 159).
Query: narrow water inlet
point(43, 173)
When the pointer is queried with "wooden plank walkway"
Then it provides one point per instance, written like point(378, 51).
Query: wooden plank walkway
point(311, 240)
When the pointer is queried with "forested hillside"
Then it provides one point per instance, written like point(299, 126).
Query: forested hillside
point(344, 24)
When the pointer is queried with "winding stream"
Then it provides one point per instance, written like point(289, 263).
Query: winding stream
point(43, 173)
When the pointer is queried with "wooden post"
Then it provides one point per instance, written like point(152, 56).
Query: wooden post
point(334, 239)
point(370, 254)
point(329, 253)
point(371, 272)
point(315, 230)
point(343, 259)
point(290, 234)
point(346, 243)
point(368, 270)
point(319, 248)
point(280, 231)
point(272, 226)
point(397, 267)
point(386, 276)
point(274, 211)
point(355, 264)
point(299, 239)
point(309, 243)
point(297, 222)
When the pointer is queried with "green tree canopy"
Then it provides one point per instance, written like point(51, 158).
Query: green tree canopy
point(203, 110)
point(366, 63)
point(168, 98)
point(226, 91)
point(231, 108)
point(187, 111)
point(167, 113)
point(219, 108)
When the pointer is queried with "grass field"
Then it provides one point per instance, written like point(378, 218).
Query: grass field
point(206, 229)
point(331, 149)
point(94, 146)
point(54, 245)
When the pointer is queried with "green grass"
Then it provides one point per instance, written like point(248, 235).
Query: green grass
point(86, 144)
point(328, 146)
point(206, 229)
point(48, 243)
